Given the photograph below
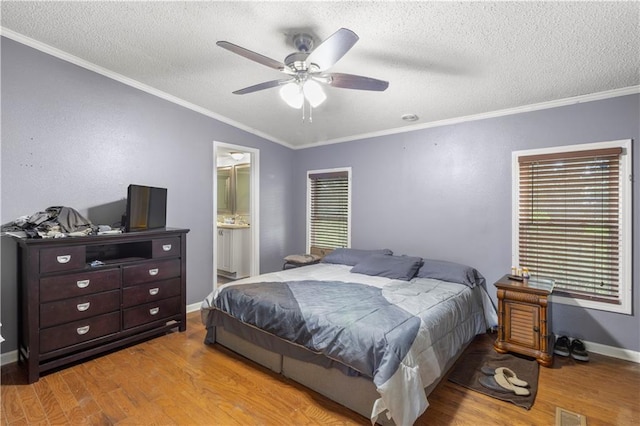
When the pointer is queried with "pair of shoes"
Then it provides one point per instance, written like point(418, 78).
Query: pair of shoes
point(579, 351)
point(562, 346)
point(575, 348)
point(503, 380)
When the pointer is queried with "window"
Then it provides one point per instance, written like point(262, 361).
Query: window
point(572, 221)
point(329, 209)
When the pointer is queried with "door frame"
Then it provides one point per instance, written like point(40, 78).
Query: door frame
point(254, 215)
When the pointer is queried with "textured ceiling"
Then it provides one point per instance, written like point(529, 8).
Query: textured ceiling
point(443, 60)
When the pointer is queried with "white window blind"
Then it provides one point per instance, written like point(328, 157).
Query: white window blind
point(570, 221)
point(328, 224)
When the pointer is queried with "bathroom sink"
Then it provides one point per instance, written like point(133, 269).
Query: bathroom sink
point(232, 225)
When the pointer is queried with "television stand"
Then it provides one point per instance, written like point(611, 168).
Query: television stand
point(70, 310)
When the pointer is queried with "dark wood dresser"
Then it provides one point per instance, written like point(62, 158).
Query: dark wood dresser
point(523, 319)
point(81, 296)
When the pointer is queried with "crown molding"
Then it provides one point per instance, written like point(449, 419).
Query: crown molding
point(631, 90)
point(447, 122)
point(50, 50)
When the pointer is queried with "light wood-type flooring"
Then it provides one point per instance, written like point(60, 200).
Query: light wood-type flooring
point(176, 379)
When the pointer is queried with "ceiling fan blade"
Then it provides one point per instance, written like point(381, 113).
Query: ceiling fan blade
point(351, 81)
point(333, 48)
point(262, 86)
point(256, 57)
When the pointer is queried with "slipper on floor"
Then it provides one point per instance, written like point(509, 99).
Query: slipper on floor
point(490, 383)
point(489, 371)
point(511, 377)
point(501, 379)
point(509, 374)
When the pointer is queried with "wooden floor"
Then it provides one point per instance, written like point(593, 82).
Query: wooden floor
point(176, 379)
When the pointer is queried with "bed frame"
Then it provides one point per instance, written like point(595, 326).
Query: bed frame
point(357, 393)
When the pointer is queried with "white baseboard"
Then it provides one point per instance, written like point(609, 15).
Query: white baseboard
point(613, 352)
point(194, 307)
point(9, 358)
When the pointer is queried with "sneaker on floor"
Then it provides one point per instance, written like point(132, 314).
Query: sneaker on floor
point(562, 346)
point(578, 351)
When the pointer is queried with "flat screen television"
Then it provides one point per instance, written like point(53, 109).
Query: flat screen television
point(146, 208)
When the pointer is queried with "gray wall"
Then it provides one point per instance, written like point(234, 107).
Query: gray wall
point(445, 193)
point(76, 138)
point(72, 137)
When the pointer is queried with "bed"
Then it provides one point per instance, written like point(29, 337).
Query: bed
point(373, 331)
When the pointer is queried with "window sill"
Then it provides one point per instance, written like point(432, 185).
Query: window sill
point(590, 304)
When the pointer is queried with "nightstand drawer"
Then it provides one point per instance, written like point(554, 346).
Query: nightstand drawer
point(54, 313)
point(64, 286)
point(148, 292)
point(166, 247)
point(62, 259)
point(151, 312)
point(79, 331)
point(150, 271)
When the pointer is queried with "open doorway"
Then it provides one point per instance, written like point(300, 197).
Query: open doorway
point(236, 243)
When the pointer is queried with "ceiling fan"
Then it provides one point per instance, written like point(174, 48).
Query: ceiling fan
point(306, 69)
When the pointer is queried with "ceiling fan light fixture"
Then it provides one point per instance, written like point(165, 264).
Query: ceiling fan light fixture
point(314, 93)
point(306, 70)
point(292, 95)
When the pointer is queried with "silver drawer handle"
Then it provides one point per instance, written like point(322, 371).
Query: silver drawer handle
point(64, 259)
point(154, 291)
point(153, 272)
point(154, 311)
point(83, 306)
point(82, 330)
point(166, 247)
point(82, 283)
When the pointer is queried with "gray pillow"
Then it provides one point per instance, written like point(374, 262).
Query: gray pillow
point(349, 256)
point(450, 271)
point(395, 267)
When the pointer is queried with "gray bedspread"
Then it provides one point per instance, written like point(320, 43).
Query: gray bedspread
point(401, 334)
point(348, 322)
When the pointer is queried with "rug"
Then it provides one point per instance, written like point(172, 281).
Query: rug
point(467, 373)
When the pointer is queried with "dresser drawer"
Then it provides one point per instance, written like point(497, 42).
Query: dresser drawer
point(62, 259)
point(151, 312)
point(148, 292)
point(79, 331)
point(54, 313)
point(165, 247)
point(62, 287)
point(150, 271)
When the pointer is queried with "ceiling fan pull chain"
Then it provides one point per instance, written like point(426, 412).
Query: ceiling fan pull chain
point(303, 110)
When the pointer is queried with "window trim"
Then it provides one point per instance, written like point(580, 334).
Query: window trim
point(308, 215)
point(626, 243)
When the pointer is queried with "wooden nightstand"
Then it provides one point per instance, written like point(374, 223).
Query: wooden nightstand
point(523, 319)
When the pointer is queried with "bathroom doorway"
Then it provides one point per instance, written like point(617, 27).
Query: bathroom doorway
point(236, 243)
